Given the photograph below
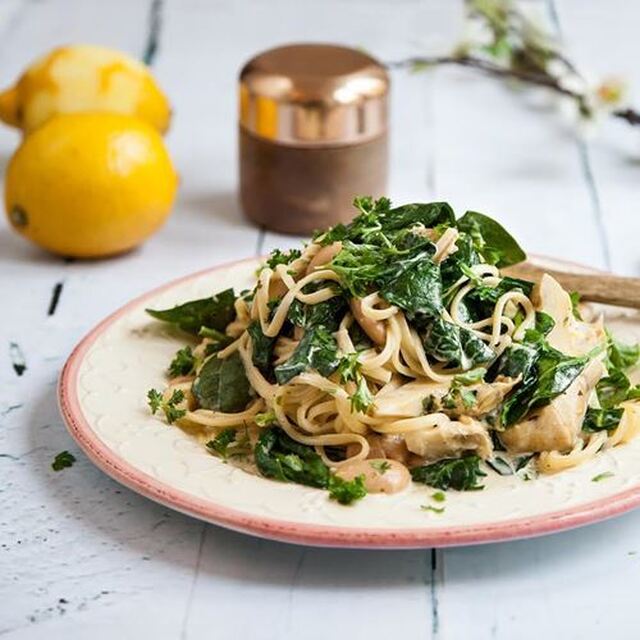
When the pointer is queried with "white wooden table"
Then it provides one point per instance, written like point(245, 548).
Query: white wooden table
point(82, 557)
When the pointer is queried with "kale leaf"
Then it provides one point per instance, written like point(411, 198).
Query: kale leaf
point(462, 474)
point(222, 385)
point(279, 457)
point(214, 313)
point(317, 350)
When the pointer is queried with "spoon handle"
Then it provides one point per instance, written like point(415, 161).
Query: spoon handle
point(620, 291)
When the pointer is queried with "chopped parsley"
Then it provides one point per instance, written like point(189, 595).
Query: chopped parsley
point(381, 466)
point(430, 507)
point(602, 476)
point(346, 491)
point(462, 474)
point(350, 370)
point(183, 363)
point(266, 419)
point(63, 460)
point(277, 257)
point(221, 442)
point(170, 407)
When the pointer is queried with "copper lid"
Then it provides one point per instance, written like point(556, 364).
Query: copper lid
point(314, 94)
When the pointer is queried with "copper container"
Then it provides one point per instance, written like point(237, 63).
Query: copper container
point(313, 134)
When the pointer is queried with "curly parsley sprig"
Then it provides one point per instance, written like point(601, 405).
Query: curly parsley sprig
point(169, 407)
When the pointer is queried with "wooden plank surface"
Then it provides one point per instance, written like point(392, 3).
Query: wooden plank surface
point(81, 556)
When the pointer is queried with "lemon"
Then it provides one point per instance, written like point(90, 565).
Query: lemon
point(84, 78)
point(90, 184)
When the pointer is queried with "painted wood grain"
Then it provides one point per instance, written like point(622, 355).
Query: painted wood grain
point(83, 557)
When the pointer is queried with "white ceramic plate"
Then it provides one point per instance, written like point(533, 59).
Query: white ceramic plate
point(103, 400)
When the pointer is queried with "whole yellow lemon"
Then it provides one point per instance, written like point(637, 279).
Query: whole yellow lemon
point(84, 78)
point(90, 185)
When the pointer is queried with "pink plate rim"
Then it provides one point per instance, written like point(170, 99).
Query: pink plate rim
point(294, 532)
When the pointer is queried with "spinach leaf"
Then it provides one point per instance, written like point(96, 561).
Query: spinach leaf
point(620, 355)
point(214, 313)
point(492, 240)
point(462, 474)
point(601, 419)
point(544, 323)
point(317, 350)
point(481, 300)
point(453, 267)
point(613, 389)
point(262, 349)
point(518, 360)
point(554, 373)
point(279, 457)
point(500, 466)
point(417, 289)
point(456, 346)
point(222, 385)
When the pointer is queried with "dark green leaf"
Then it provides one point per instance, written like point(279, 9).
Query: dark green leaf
point(417, 289)
point(221, 442)
point(544, 323)
point(262, 349)
point(462, 474)
point(500, 466)
point(214, 313)
point(346, 491)
point(601, 419)
point(492, 240)
point(620, 355)
point(455, 346)
point(575, 302)
point(63, 460)
point(554, 373)
point(222, 385)
point(429, 214)
point(317, 350)
point(326, 314)
point(277, 257)
point(183, 363)
point(279, 457)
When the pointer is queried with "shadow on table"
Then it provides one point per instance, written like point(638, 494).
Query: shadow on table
point(90, 500)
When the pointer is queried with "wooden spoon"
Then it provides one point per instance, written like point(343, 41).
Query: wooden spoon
point(593, 287)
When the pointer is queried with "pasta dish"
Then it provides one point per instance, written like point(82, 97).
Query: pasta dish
point(396, 349)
